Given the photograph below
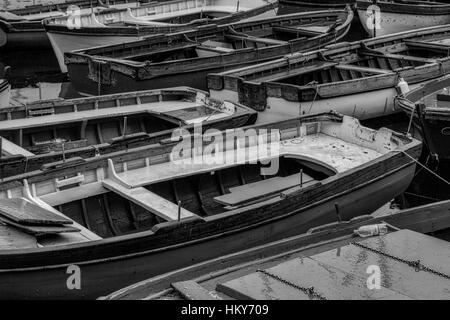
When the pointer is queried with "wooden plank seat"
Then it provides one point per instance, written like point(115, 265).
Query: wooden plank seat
point(39, 229)
point(302, 31)
point(398, 57)
point(413, 44)
point(10, 149)
point(145, 53)
point(261, 189)
point(148, 200)
point(23, 211)
point(350, 67)
point(268, 41)
point(316, 66)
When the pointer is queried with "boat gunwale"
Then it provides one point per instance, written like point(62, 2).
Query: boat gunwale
point(146, 30)
point(412, 145)
point(167, 226)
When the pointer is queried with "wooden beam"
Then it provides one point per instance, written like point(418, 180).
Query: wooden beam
point(256, 40)
point(148, 200)
point(363, 69)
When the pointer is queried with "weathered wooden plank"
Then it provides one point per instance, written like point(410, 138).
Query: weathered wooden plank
point(362, 69)
point(11, 238)
point(191, 290)
point(39, 230)
point(149, 201)
point(24, 212)
point(263, 188)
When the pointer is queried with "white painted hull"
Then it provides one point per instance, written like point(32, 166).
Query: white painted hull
point(62, 42)
point(391, 23)
point(366, 105)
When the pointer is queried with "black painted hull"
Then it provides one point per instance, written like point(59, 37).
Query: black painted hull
point(105, 275)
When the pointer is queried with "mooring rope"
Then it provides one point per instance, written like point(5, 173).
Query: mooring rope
point(425, 167)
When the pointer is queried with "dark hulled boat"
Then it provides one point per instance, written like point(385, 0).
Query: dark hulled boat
point(44, 133)
point(125, 203)
point(381, 18)
point(22, 27)
point(360, 79)
point(132, 24)
point(429, 108)
point(211, 280)
point(186, 58)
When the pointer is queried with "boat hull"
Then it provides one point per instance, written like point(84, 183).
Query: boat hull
point(66, 42)
point(394, 22)
point(31, 36)
point(366, 105)
point(79, 77)
point(107, 275)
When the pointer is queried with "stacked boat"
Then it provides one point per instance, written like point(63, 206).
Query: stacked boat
point(87, 30)
point(187, 57)
point(137, 213)
point(23, 26)
point(359, 79)
point(209, 132)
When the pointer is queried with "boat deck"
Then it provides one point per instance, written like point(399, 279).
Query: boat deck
point(339, 271)
point(331, 152)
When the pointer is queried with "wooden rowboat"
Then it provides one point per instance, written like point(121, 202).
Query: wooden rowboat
point(48, 132)
point(290, 6)
point(359, 79)
point(109, 28)
point(381, 18)
point(186, 58)
point(205, 280)
point(22, 27)
point(125, 203)
point(429, 108)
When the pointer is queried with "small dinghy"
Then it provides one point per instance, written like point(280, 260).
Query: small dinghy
point(428, 106)
point(381, 18)
point(249, 274)
point(22, 27)
point(191, 198)
point(359, 79)
point(46, 132)
point(186, 58)
point(115, 27)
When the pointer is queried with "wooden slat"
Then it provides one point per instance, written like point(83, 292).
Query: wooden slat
point(10, 149)
point(256, 40)
point(24, 212)
point(11, 238)
point(149, 201)
point(263, 188)
point(399, 57)
point(362, 69)
point(38, 230)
